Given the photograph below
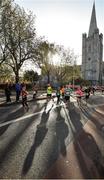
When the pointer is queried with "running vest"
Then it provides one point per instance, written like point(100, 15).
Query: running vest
point(49, 90)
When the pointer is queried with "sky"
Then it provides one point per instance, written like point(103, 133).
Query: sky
point(64, 21)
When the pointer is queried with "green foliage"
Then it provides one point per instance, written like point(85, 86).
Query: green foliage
point(81, 81)
point(5, 73)
point(31, 76)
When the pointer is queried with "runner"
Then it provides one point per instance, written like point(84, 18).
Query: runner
point(67, 93)
point(79, 96)
point(93, 89)
point(62, 92)
point(58, 94)
point(35, 90)
point(87, 94)
point(49, 92)
point(102, 89)
point(24, 94)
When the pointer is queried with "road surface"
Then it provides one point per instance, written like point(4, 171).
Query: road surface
point(52, 141)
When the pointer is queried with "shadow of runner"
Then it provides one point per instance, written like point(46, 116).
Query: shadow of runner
point(93, 116)
point(14, 139)
point(17, 114)
point(61, 132)
point(3, 129)
point(20, 130)
point(87, 151)
point(39, 137)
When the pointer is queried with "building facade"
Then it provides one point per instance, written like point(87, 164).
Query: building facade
point(92, 53)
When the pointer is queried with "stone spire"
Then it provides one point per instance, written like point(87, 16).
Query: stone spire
point(93, 23)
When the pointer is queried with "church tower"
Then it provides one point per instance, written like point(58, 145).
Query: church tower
point(92, 52)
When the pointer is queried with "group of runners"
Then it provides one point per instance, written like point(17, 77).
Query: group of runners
point(64, 93)
point(61, 93)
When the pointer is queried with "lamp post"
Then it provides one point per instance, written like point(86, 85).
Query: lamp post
point(74, 62)
point(73, 77)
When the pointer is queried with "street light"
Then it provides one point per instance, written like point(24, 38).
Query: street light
point(74, 62)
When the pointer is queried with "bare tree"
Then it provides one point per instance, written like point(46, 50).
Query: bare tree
point(46, 51)
point(64, 70)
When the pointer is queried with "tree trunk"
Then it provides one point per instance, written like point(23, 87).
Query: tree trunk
point(16, 76)
point(48, 75)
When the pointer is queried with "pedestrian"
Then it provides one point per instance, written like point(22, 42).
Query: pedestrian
point(79, 96)
point(58, 94)
point(18, 88)
point(8, 92)
point(67, 93)
point(24, 94)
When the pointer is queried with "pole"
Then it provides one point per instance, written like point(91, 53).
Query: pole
point(73, 77)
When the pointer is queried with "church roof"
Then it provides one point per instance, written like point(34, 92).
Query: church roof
point(93, 22)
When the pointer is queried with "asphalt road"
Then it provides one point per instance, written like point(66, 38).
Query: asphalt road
point(31, 142)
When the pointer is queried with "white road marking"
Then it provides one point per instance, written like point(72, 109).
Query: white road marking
point(29, 115)
point(40, 112)
point(20, 119)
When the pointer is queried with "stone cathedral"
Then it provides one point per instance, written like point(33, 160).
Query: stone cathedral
point(92, 53)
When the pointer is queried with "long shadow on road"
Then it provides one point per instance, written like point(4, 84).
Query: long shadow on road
point(59, 144)
point(39, 137)
point(17, 112)
point(95, 117)
point(61, 132)
point(23, 126)
point(88, 153)
point(12, 115)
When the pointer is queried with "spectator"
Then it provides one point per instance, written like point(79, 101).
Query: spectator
point(8, 92)
point(18, 91)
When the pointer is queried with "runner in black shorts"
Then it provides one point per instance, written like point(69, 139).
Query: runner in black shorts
point(49, 92)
